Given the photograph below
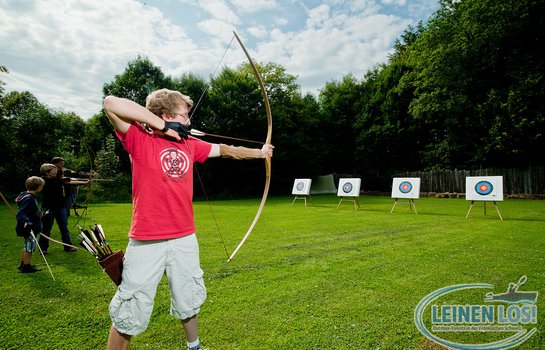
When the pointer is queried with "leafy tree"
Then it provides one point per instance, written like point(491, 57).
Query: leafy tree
point(339, 102)
point(107, 162)
point(479, 71)
point(35, 135)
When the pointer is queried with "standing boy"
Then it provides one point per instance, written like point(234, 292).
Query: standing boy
point(162, 233)
point(28, 218)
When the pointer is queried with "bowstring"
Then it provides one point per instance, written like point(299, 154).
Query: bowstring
point(211, 211)
point(207, 86)
point(207, 200)
point(193, 110)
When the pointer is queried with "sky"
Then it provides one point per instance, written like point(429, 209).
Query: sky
point(64, 51)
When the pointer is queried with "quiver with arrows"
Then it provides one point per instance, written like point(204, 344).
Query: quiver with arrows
point(113, 266)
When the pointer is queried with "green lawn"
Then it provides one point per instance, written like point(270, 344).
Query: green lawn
point(307, 278)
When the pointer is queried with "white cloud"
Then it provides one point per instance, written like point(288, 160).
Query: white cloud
point(280, 21)
point(394, 2)
point(220, 11)
point(318, 16)
point(254, 6)
point(74, 48)
point(63, 51)
point(334, 43)
point(258, 31)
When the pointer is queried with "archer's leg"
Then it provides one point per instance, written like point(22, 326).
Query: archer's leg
point(117, 340)
point(47, 225)
point(191, 328)
point(62, 221)
point(185, 279)
point(26, 256)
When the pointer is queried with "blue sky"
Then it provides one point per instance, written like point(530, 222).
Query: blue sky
point(63, 51)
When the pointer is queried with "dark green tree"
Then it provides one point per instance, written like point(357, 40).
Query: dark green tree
point(479, 72)
point(340, 104)
point(35, 136)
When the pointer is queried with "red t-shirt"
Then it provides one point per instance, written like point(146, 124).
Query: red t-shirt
point(162, 183)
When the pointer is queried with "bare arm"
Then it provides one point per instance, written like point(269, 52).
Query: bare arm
point(122, 112)
point(221, 150)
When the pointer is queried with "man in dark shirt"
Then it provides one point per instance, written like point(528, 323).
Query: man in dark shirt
point(54, 201)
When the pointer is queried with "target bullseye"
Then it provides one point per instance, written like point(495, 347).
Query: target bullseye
point(405, 187)
point(484, 188)
point(347, 187)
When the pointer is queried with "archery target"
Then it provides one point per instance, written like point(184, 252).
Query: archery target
point(484, 188)
point(349, 187)
point(406, 187)
point(301, 187)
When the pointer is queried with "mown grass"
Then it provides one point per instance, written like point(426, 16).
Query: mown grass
point(307, 278)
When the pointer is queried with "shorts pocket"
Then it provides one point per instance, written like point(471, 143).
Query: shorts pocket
point(199, 291)
point(123, 311)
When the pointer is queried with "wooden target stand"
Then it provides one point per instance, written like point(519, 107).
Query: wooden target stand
point(410, 202)
point(484, 205)
point(350, 199)
point(304, 198)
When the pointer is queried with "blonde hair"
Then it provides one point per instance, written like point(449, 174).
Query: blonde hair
point(166, 101)
point(45, 168)
point(33, 183)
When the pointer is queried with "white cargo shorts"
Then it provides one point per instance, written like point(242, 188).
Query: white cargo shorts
point(143, 267)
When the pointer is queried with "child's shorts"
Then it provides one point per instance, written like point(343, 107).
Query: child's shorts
point(29, 244)
point(144, 265)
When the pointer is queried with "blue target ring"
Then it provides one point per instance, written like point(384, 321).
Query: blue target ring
point(347, 187)
point(484, 188)
point(405, 187)
point(300, 186)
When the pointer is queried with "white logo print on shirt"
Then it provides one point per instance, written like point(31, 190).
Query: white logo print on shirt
point(174, 162)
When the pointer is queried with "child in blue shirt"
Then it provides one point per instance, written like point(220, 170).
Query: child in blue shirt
point(28, 218)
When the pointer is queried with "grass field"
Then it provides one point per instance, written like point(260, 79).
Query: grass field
point(307, 278)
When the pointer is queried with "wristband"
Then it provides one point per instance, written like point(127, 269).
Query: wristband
point(165, 129)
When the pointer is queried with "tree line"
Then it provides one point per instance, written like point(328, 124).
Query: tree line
point(462, 91)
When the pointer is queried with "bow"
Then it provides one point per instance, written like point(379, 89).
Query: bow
point(267, 141)
point(7, 203)
point(90, 189)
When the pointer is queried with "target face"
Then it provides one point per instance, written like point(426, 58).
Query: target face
point(349, 187)
point(406, 187)
point(484, 188)
point(301, 187)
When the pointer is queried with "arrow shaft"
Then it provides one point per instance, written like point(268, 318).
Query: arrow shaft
point(233, 138)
